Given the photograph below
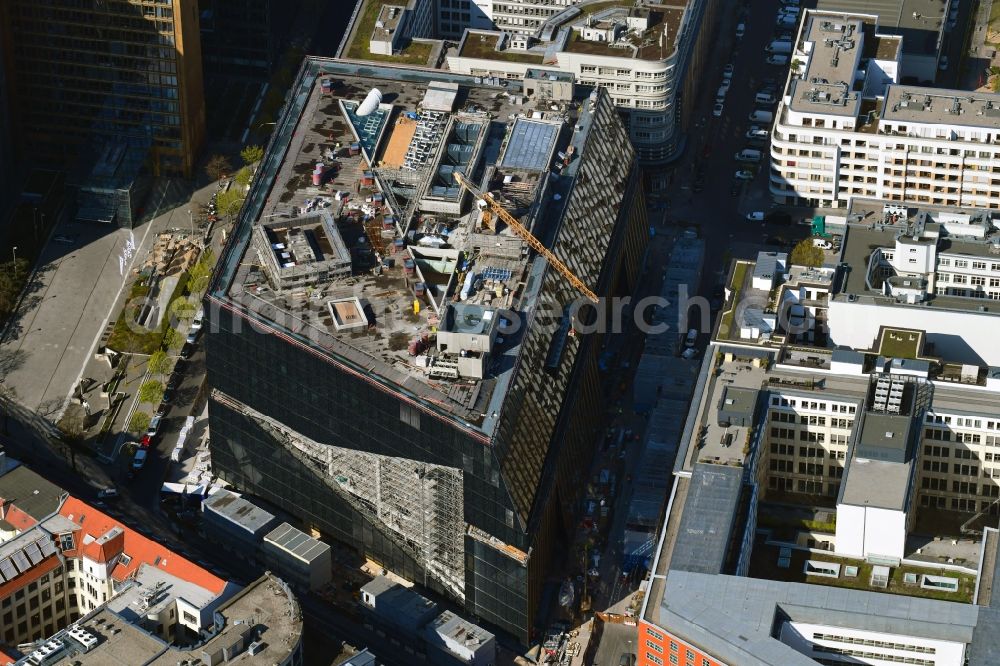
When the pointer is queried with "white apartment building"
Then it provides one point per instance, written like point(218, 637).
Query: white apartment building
point(648, 58)
point(845, 128)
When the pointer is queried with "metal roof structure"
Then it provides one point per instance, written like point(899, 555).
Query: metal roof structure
point(707, 523)
point(530, 144)
point(238, 511)
point(736, 616)
point(296, 542)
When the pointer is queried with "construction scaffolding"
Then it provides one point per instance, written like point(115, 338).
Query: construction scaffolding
point(417, 505)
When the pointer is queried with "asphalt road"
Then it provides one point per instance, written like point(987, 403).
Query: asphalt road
point(719, 215)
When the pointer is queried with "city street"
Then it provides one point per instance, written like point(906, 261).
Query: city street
point(76, 286)
point(719, 215)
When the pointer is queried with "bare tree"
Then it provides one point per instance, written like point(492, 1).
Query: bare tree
point(218, 166)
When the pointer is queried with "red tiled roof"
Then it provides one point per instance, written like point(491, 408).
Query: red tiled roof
point(19, 519)
point(34, 573)
point(140, 549)
point(6, 657)
point(104, 550)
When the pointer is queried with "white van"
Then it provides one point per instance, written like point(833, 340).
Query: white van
point(777, 60)
point(757, 133)
point(764, 98)
point(822, 244)
point(741, 29)
point(748, 155)
point(762, 117)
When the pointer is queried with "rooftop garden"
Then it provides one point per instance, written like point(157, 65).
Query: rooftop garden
point(900, 343)
point(735, 286)
point(764, 565)
point(413, 53)
point(477, 45)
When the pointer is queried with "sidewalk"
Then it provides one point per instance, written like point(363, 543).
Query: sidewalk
point(98, 371)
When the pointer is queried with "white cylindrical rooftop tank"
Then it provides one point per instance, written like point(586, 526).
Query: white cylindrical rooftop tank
point(370, 104)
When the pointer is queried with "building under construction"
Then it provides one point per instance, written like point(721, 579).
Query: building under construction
point(392, 357)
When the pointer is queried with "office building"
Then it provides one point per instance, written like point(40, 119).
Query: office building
point(76, 582)
point(438, 637)
point(648, 58)
point(8, 179)
point(110, 115)
point(414, 406)
point(261, 623)
point(846, 127)
point(920, 267)
point(881, 441)
point(236, 36)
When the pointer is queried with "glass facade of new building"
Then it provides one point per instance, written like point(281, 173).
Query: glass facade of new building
point(236, 35)
point(288, 415)
point(94, 84)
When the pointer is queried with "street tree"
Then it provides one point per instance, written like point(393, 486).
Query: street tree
point(218, 166)
point(229, 202)
point(807, 254)
point(172, 339)
point(243, 177)
point(252, 154)
point(151, 391)
point(12, 277)
point(159, 362)
point(139, 422)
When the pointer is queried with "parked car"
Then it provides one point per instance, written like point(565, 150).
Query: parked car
point(107, 493)
point(154, 425)
point(745, 174)
point(943, 64)
point(162, 410)
point(756, 216)
point(192, 336)
point(198, 321)
point(727, 71)
point(170, 389)
point(756, 133)
point(741, 29)
point(627, 659)
point(139, 460)
point(822, 244)
point(717, 110)
point(777, 60)
point(187, 350)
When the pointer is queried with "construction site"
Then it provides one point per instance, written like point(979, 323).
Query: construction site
point(407, 235)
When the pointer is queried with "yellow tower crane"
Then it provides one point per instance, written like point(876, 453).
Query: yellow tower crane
point(526, 236)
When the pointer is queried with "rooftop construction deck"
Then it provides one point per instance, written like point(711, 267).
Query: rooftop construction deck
point(366, 242)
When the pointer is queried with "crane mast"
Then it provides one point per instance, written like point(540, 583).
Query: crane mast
point(527, 236)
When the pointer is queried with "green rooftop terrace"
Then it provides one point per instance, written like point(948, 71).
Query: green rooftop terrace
point(478, 45)
point(763, 564)
point(412, 53)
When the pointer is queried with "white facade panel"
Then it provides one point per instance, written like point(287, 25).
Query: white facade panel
point(850, 530)
point(959, 336)
point(852, 645)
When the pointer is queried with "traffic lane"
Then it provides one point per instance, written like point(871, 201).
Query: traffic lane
point(192, 372)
